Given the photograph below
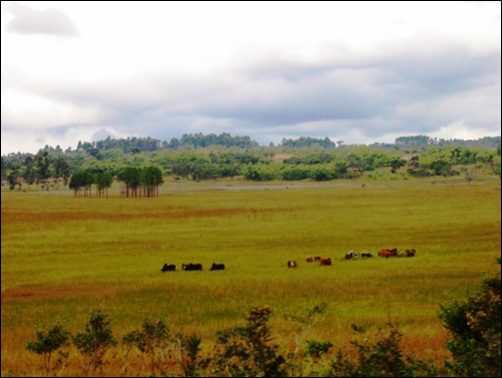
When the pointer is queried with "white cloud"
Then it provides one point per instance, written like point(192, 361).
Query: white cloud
point(50, 21)
point(362, 71)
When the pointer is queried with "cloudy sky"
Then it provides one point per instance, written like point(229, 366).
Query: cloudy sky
point(353, 71)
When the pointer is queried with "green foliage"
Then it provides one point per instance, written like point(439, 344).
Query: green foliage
point(95, 339)
point(308, 142)
point(48, 342)
point(81, 181)
point(248, 351)
point(189, 347)
point(475, 325)
point(316, 349)
point(152, 339)
point(385, 358)
point(261, 173)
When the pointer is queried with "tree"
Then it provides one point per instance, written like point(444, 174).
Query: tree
point(475, 325)
point(62, 170)
point(103, 181)
point(81, 179)
point(131, 177)
point(43, 166)
point(150, 179)
point(152, 339)
point(248, 351)
point(95, 339)
point(48, 342)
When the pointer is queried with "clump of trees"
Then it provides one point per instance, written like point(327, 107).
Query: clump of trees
point(138, 181)
point(141, 181)
point(250, 350)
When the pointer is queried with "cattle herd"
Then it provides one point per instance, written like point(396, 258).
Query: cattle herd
point(190, 267)
point(293, 264)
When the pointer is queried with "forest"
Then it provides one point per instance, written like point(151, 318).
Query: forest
point(200, 157)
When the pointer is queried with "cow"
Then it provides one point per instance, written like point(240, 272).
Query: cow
point(325, 262)
point(168, 268)
point(350, 255)
point(410, 252)
point(309, 259)
point(292, 264)
point(217, 267)
point(191, 266)
point(366, 254)
point(388, 252)
point(317, 258)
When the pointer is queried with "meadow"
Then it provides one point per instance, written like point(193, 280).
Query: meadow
point(62, 256)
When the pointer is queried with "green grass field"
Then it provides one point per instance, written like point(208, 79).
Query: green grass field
point(63, 256)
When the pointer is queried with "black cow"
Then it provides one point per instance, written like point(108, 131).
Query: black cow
point(168, 268)
point(217, 267)
point(191, 266)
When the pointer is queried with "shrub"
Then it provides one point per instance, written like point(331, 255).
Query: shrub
point(248, 351)
point(48, 342)
point(95, 340)
point(152, 339)
point(383, 359)
point(475, 325)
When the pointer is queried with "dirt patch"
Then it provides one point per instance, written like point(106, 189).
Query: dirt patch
point(279, 157)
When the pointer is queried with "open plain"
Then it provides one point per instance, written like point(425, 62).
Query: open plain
point(63, 256)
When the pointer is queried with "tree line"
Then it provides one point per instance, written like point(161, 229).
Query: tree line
point(309, 159)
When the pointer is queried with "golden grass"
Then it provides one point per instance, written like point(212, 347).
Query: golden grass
point(62, 256)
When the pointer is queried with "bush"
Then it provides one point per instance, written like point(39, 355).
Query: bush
point(95, 340)
point(248, 351)
point(152, 339)
point(383, 359)
point(475, 325)
point(48, 342)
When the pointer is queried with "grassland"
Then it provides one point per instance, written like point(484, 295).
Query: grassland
point(62, 256)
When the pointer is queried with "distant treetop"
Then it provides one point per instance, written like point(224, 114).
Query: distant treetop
point(308, 142)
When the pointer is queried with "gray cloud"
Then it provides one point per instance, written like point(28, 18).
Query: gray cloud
point(401, 91)
point(32, 21)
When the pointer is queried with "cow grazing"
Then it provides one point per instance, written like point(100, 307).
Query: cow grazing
point(309, 259)
point(168, 268)
point(292, 264)
point(366, 254)
point(350, 255)
point(410, 252)
point(388, 252)
point(317, 258)
point(325, 262)
point(191, 266)
point(217, 267)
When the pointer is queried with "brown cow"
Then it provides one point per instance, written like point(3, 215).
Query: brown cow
point(292, 264)
point(325, 262)
point(410, 252)
point(388, 252)
point(309, 259)
point(317, 258)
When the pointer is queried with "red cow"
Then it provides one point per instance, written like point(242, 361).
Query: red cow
point(292, 264)
point(325, 262)
point(388, 252)
point(410, 252)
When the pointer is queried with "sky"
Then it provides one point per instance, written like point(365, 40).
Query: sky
point(360, 72)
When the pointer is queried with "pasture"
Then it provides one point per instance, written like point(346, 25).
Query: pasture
point(63, 256)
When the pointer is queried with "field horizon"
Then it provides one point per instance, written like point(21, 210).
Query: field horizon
point(64, 256)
